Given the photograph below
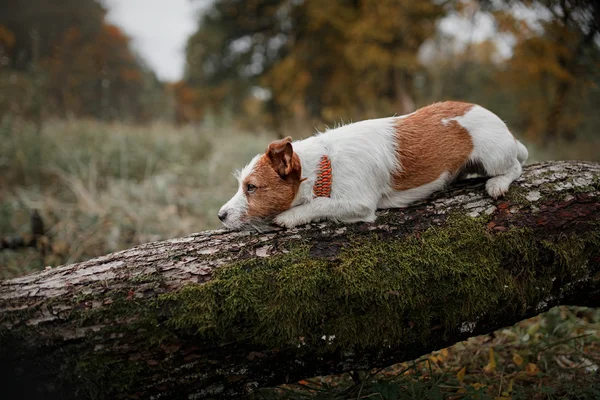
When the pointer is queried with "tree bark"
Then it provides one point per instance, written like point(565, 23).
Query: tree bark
point(222, 313)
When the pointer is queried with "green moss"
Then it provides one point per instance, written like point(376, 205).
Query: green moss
point(145, 278)
point(378, 290)
point(517, 195)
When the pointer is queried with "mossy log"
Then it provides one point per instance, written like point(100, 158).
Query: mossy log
point(223, 313)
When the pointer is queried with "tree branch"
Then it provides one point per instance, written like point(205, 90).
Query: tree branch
point(222, 313)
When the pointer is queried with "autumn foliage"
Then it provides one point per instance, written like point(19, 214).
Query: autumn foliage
point(281, 64)
point(65, 60)
point(332, 61)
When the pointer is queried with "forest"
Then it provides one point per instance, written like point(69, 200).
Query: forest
point(276, 64)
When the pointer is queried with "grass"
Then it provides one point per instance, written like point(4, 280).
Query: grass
point(105, 187)
point(553, 356)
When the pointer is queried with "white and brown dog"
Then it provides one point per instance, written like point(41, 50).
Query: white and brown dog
point(346, 173)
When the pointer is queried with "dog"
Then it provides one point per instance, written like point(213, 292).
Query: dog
point(347, 173)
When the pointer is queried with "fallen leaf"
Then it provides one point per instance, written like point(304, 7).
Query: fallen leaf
point(532, 369)
point(303, 382)
point(517, 359)
point(491, 367)
point(460, 375)
point(443, 354)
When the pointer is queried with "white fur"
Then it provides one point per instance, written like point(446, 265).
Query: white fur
point(362, 155)
point(495, 148)
point(363, 158)
point(237, 206)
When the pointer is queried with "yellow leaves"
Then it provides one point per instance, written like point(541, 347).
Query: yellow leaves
point(517, 359)
point(507, 394)
point(484, 52)
point(531, 369)
point(510, 385)
point(491, 366)
point(439, 357)
point(460, 375)
point(443, 354)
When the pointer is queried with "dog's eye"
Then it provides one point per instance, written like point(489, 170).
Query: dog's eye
point(250, 188)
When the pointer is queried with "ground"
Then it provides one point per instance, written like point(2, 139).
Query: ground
point(555, 355)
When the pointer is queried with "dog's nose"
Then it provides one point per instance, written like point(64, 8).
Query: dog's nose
point(222, 215)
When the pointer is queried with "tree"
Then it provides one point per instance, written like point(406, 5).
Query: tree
point(220, 313)
point(80, 65)
point(318, 60)
point(50, 21)
point(553, 67)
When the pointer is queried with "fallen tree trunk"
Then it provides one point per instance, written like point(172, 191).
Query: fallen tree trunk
point(221, 313)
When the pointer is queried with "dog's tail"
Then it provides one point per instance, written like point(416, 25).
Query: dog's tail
point(522, 152)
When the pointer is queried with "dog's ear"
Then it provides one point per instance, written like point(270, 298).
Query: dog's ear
point(280, 153)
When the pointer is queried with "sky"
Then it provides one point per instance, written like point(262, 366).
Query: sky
point(159, 30)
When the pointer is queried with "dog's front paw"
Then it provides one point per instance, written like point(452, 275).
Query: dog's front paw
point(287, 220)
point(284, 222)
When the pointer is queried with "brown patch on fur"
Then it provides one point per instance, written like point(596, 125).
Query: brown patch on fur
point(427, 147)
point(277, 177)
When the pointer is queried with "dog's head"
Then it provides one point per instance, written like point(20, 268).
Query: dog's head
point(267, 187)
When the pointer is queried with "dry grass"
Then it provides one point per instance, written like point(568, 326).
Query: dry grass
point(583, 149)
point(105, 187)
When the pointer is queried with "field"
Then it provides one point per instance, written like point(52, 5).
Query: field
point(104, 187)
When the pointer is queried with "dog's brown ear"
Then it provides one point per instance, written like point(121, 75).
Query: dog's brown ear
point(281, 152)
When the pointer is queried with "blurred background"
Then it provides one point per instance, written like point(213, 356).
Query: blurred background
point(122, 120)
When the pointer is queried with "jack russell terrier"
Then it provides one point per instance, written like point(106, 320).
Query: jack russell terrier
point(347, 173)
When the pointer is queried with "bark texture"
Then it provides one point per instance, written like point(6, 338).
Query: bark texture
point(223, 313)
